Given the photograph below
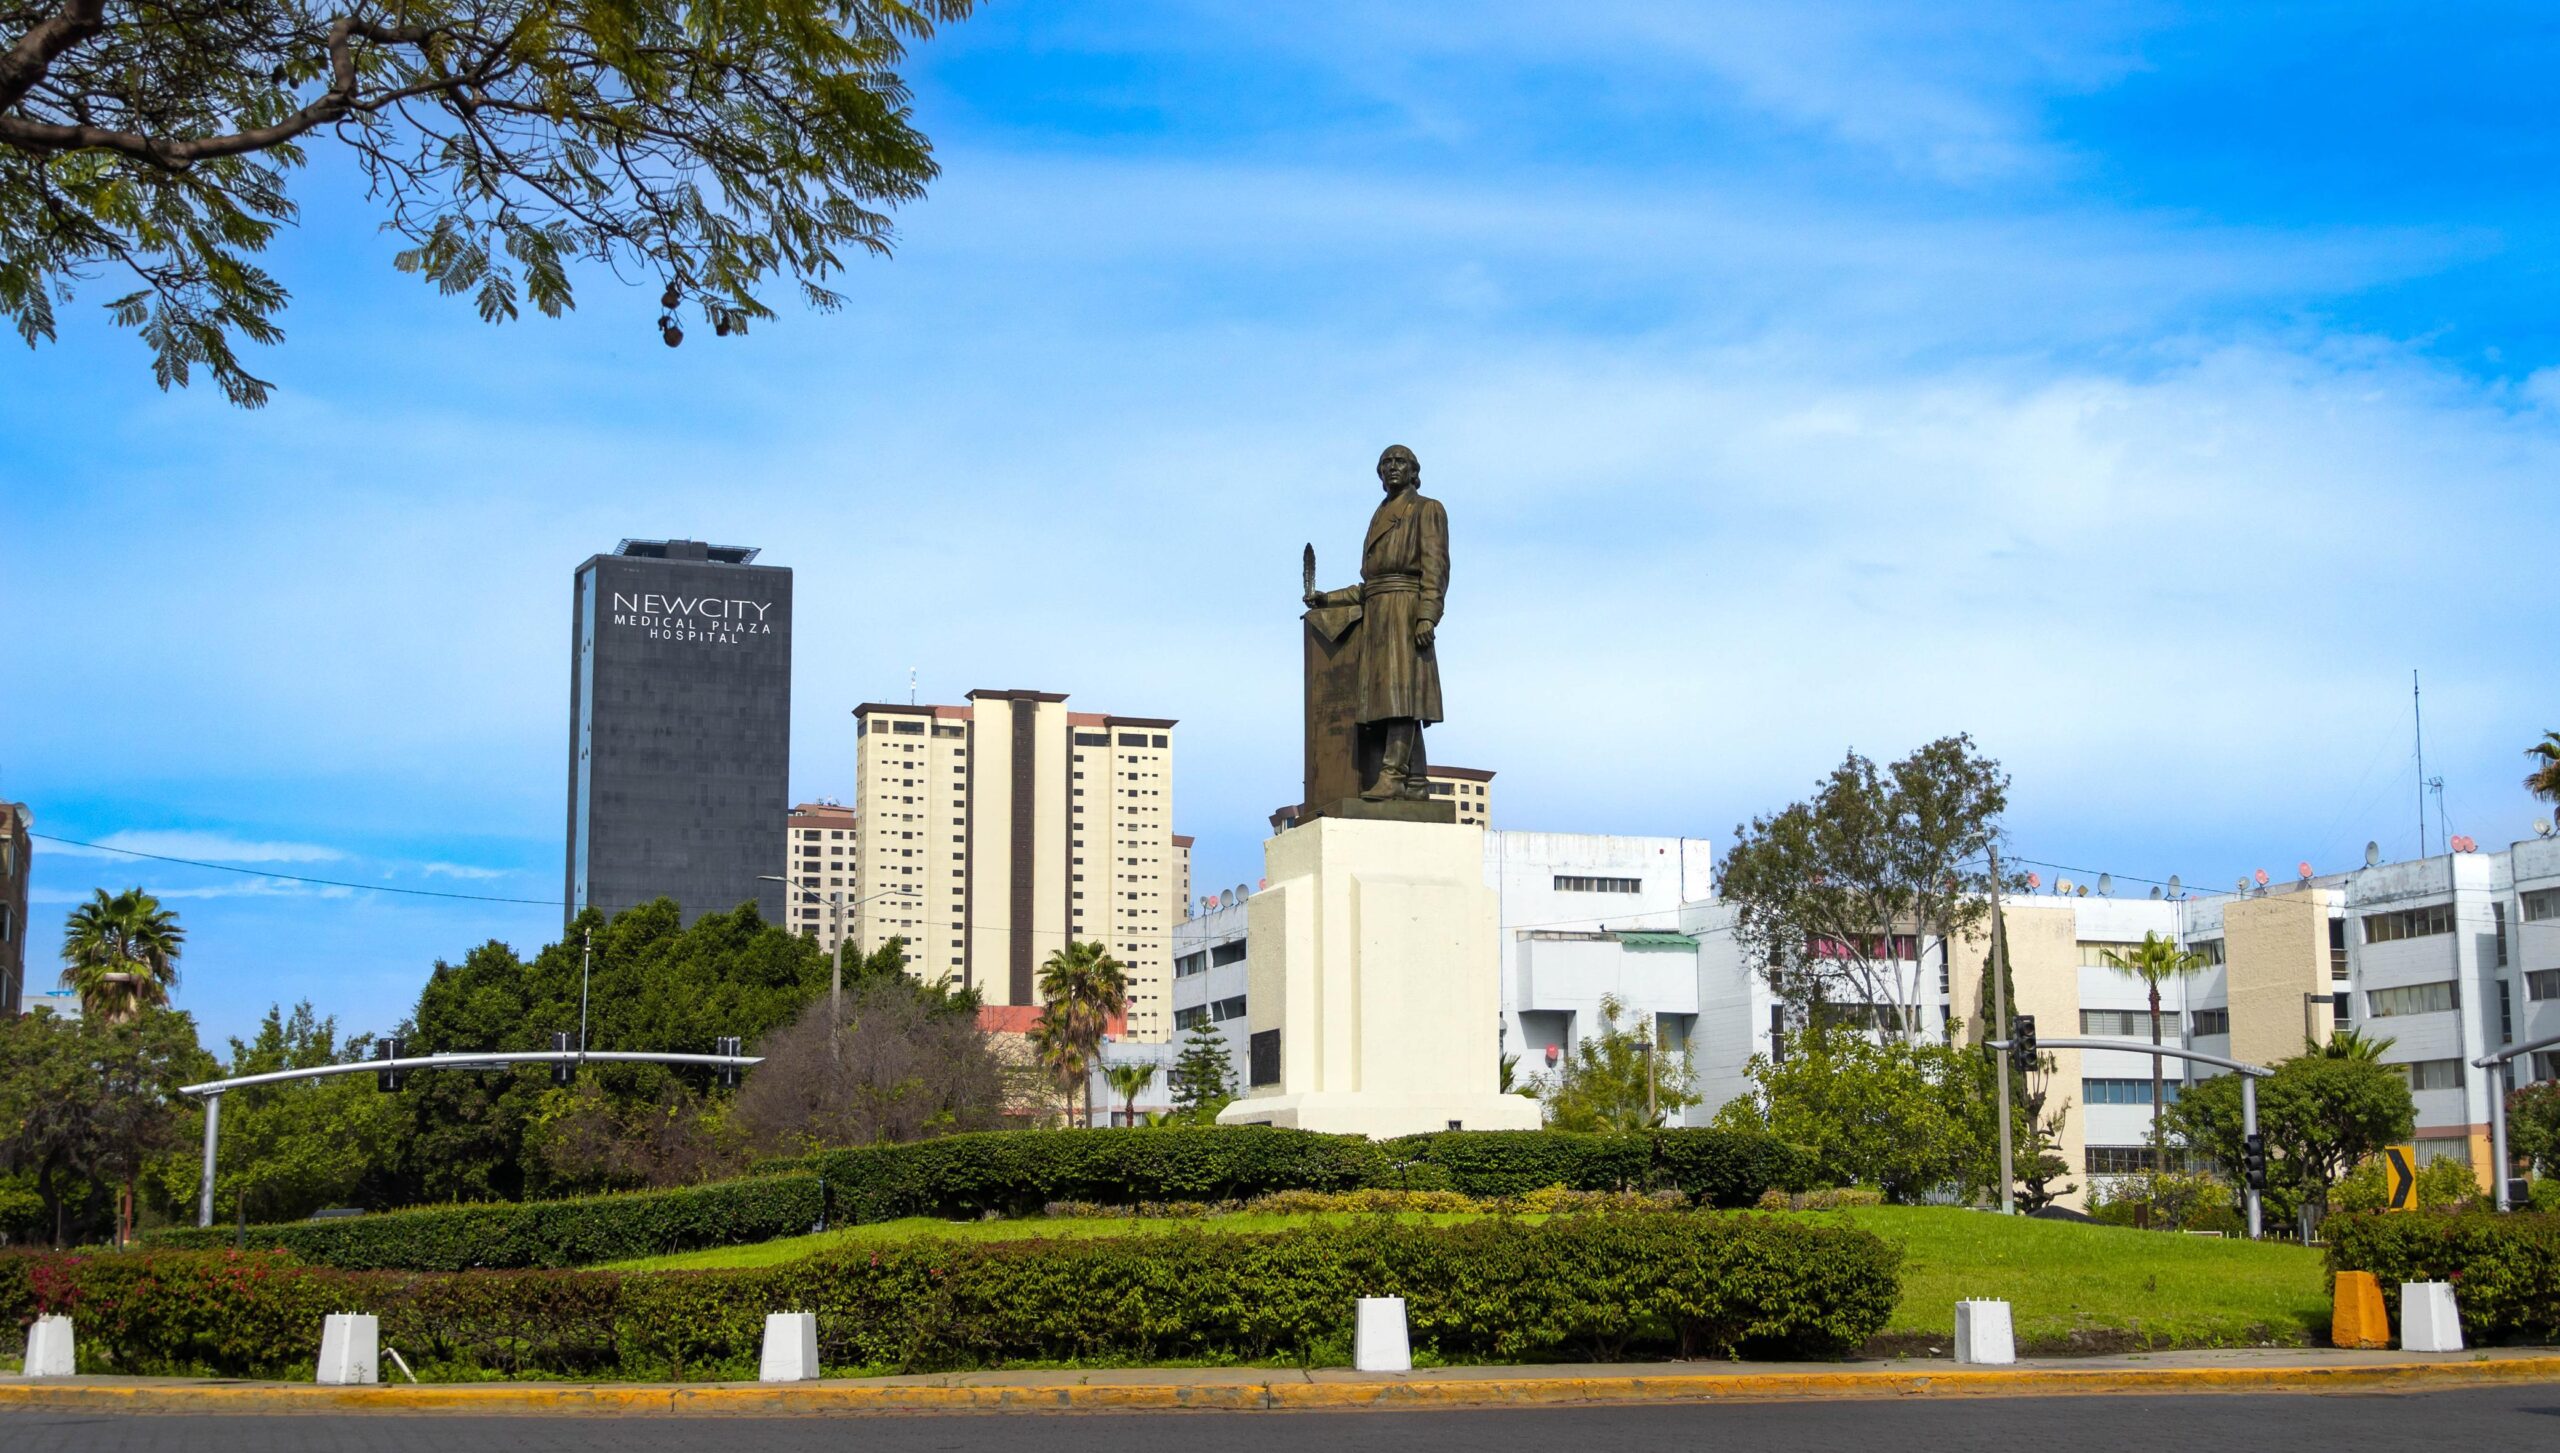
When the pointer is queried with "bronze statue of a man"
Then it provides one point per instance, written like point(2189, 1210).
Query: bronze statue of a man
point(1404, 578)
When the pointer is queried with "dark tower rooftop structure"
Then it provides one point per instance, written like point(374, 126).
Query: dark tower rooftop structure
point(679, 728)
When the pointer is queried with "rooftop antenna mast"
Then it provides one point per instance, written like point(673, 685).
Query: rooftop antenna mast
point(911, 686)
point(2418, 717)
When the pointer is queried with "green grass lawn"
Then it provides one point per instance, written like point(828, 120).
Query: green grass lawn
point(792, 1248)
point(2096, 1288)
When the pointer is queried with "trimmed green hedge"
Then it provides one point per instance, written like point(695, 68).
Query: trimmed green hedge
point(2505, 1269)
point(1016, 1173)
point(1579, 1287)
point(538, 1233)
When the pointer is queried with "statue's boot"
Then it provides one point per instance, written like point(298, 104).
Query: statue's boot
point(1388, 787)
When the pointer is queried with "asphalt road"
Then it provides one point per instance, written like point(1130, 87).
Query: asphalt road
point(2496, 1417)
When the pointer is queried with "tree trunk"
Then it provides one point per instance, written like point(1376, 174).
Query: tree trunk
point(2159, 1143)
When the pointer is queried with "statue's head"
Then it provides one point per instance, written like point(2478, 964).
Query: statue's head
point(1398, 469)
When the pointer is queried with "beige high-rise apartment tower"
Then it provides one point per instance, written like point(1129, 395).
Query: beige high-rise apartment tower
point(990, 835)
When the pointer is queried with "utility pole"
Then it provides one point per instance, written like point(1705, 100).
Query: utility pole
point(2418, 719)
point(835, 988)
point(2000, 1019)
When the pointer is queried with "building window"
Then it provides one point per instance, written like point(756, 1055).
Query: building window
point(2209, 950)
point(2424, 922)
point(2093, 952)
point(2498, 915)
point(2337, 949)
point(1226, 1009)
point(2117, 1160)
point(2409, 999)
point(2210, 1021)
point(2541, 904)
point(907, 728)
point(1569, 883)
point(1189, 964)
point(1187, 1018)
point(2433, 1148)
point(2124, 1092)
point(948, 729)
point(1227, 953)
point(2542, 984)
point(2432, 1074)
point(2506, 1013)
point(2116, 1023)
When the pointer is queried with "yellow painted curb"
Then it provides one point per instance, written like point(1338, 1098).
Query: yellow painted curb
point(801, 1399)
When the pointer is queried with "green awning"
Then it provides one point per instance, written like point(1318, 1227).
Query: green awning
point(1643, 942)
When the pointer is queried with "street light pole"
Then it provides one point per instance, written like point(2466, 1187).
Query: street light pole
point(2000, 1018)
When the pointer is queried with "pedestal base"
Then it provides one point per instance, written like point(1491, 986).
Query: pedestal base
point(1375, 992)
point(1383, 1117)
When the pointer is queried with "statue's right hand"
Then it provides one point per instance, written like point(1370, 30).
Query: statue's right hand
point(1314, 598)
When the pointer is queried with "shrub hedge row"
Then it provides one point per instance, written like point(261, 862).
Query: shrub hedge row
point(1018, 1172)
point(1581, 1287)
point(2505, 1269)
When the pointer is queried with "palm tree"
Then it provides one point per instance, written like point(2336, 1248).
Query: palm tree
point(1082, 989)
point(120, 954)
point(1129, 1081)
point(2154, 961)
point(2349, 1044)
point(2544, 780)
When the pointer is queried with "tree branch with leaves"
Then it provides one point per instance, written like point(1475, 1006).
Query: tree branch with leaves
point(714, 147)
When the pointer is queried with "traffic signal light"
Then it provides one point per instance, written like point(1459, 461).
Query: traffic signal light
point(563, 1071)
point(728, 1044)
point(2253, 1160)
point(2022, 1042)
point(390, 1049)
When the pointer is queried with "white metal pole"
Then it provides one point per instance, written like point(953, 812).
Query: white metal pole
point(2249, 1127)
point(2498, 1131)
point(2000, 1020)
point(212, 1131)
point(586, 961)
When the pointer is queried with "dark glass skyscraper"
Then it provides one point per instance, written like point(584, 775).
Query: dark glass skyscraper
point(679, 728)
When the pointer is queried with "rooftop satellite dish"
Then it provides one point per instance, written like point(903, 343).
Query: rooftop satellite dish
point(2542, 827)
point(2174, 885)
point(2155, 890)
point(2106, 885)
point(2062, 885)
point(1226, 900)
point(2373, 855)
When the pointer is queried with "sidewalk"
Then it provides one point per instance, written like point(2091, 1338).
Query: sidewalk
point(1265, 1389)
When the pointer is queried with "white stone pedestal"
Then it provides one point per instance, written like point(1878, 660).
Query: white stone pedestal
point(790, 1347)
point(1983, 1334)
point(1380, 1340)
point(1377, 964)
point(49, 1348)
point(350, 1344)
point(2429, 1321)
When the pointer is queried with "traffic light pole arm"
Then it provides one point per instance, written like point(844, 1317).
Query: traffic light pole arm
point(2497, 1060)
point(491, 1061)
point(2249, 1076)
point(2144, 1047)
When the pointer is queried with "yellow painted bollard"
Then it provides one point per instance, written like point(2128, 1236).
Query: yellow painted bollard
point(2357, 1318)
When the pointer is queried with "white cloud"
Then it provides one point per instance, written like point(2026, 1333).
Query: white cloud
point(463, 871)
point(216, 847)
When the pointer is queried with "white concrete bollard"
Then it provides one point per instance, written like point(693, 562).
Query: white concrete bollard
point(790, 1347)
point(49, 1348)
point(2429, 1321)
point(1983, 1333)
point(1379, 1342)
point(350, 1354)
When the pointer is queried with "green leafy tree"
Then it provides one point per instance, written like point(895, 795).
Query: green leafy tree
point(1903, 1117)
point(2533, 1127)
point(120, 954)
point(1082, 989)
point(714, 147)
point(290, 1149)
point(909, 1062)
point(1602, 1084)
point(1204, 1075)
point(87, 1107)
point(2320, 1116)
point(2544, 780)
point(1825, 890)
point(657, 984)
point(2156, 961)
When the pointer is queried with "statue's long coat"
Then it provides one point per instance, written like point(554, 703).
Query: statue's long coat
point(1404, 578)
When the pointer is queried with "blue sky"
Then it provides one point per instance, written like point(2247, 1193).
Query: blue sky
point(2144, 390)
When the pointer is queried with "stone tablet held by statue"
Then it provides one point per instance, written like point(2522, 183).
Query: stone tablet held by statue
point(1373, 673)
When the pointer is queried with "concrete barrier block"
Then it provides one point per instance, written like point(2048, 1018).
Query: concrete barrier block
point(2429, 1321)
point(1984, 1334)
point(1379, 1340)
point(790, 1347)
point(350, 1349)
point(49, 1348)
point(2356, 1315)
